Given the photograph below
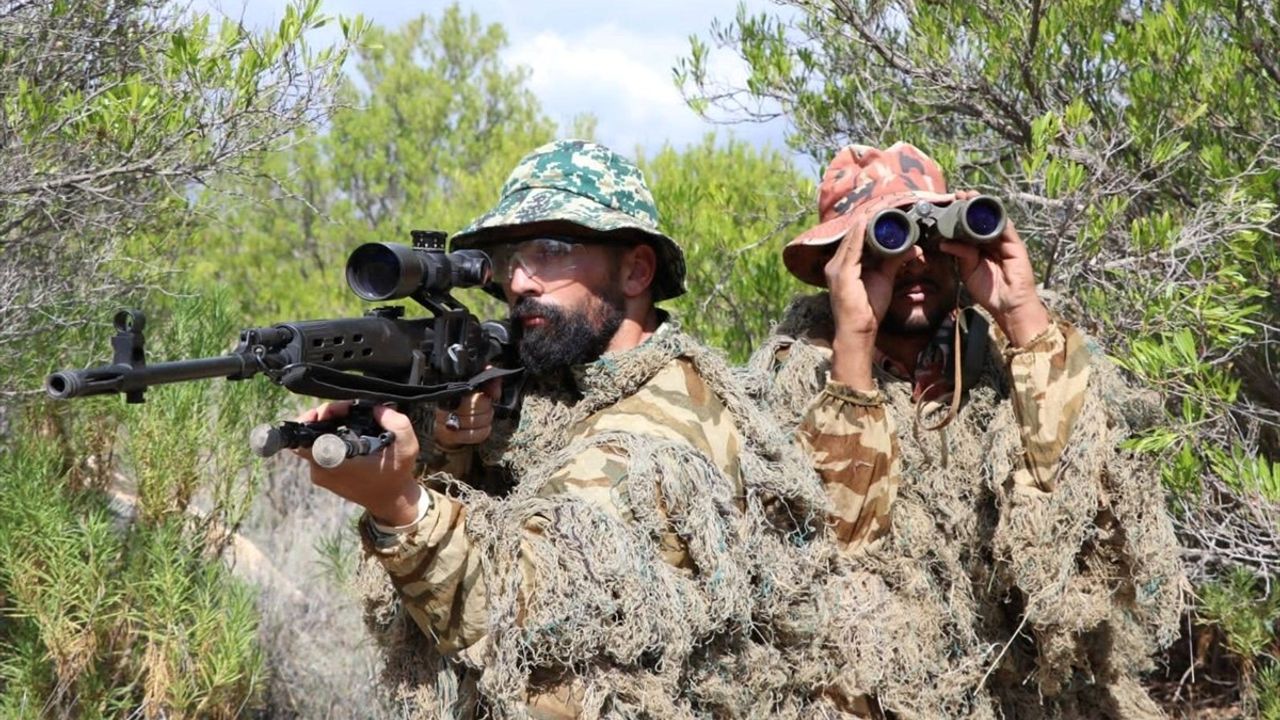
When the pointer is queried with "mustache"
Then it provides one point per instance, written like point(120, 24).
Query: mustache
point(908, 282)
point(528, 307)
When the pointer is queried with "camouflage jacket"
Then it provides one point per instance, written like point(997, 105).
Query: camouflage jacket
point(440, 570)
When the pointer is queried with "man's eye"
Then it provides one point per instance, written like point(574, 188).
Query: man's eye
point(554, 249)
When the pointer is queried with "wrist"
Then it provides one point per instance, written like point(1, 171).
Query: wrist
point(402, 510)
point(1023, 324)
point(852, 355)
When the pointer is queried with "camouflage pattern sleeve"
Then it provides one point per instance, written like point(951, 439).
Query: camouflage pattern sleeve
point(1050, 375)
point(854, 447)
point(436, 573)
point(436, 568)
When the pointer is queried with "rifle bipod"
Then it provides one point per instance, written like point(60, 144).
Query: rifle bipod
point(331, 441)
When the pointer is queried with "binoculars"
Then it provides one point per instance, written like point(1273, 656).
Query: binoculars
point(977, 220)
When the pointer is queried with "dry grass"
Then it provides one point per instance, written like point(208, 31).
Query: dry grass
point(321, 661)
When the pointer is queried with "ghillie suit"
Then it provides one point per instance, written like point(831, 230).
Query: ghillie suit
point(992, 597)
point(644, 602)
point(617, 550)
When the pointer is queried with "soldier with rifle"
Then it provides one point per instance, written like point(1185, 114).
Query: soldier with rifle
point(572, 560)
point(621, 540)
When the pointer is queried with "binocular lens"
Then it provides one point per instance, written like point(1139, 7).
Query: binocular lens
point(375, 272)
point(892, 230)
point(983, 216)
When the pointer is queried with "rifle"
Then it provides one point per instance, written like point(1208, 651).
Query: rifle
point(375, 359)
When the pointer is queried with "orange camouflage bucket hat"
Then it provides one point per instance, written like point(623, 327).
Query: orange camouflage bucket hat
point(860, 182)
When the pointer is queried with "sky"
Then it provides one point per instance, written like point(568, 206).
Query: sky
point(612, 60)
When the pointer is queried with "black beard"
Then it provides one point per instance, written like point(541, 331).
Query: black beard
point(911, 325)
point(891, 325)
point(566, 338)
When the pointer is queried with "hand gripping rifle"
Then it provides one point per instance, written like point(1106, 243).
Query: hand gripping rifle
point(376, 359)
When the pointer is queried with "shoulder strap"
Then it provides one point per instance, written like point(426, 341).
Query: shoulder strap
point(970, 355)
point(976, 344)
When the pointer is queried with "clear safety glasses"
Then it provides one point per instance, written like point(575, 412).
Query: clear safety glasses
point(544, 259)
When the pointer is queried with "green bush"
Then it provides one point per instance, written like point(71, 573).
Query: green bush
point(732, 208)
point(114, 601)
point(104, 615)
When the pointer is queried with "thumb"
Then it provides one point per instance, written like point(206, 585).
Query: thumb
point(393, 421)
point(967, 255)
point(891, 266)
point(493, 389)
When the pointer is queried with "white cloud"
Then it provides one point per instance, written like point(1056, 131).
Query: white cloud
point(620, 77)
point(613, 62)
point(623, 77)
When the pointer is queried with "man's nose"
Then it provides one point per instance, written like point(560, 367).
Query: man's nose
point(915, 264)
point(522, 283)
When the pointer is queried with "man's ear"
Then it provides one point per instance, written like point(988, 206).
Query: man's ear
point(639, 266)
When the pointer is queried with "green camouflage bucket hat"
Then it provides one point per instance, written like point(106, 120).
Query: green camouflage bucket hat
point(588, 185)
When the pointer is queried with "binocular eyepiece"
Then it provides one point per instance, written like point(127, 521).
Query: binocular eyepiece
point(387, 271)
point(977, 220)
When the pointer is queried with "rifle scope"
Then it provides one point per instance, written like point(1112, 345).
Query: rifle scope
point(386, 271)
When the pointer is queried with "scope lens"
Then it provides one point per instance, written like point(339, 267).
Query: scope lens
point(892, 230)
point(471, 268)
point(373, 271)
point(983, 217)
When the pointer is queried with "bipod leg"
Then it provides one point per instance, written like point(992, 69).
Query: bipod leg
point(358, 435)
point(266, 439)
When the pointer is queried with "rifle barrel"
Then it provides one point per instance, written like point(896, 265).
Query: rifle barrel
point(107, 379)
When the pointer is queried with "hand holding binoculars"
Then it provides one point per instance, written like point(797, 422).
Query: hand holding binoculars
point(977, 220)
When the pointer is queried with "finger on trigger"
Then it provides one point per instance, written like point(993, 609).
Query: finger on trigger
point(476, 402)
point(480, 419)
point(473, 420)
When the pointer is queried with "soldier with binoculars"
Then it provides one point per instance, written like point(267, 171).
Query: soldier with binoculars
point(897, 252)
point(1020, 491)
point(894, 248)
